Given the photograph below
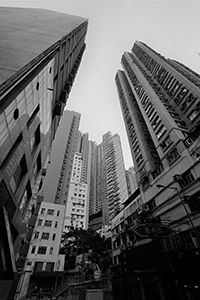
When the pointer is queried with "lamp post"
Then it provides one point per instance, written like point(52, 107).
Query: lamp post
point(185, 207)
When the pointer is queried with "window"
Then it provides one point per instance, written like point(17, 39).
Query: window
point(193, 115)
point(39, 222)
point(32, 117)
point(48, 223)
point(180, 123)
point(58, 212)
point(56, 224)
point(45, 236)
point(50, 266)
point(37, 166)
point(37, 86)
point(139, 160)
point(35, 139)
point(193, 201)
point(161, 131)
point(16, 114)
point(42, 211)
point(172, 155)
point(33, 250)
point(38, 266)
point(36, 235)
point(51, 251)
point(50, 212)
point(168, 141)
point(152, 204)
point(53, 237)
point(26, 197)
point(18, 174)
point(42, 250)
point(186, 179)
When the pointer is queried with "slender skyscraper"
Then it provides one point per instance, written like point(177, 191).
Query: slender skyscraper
point(107, 182)
point(76, 216)
point(56, 184)
point(113, 188)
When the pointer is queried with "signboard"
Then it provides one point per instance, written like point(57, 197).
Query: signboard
point(152, 231)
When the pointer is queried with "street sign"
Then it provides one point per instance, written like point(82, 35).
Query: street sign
point(152, 231)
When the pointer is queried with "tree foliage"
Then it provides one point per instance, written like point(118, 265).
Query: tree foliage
point(79, 241)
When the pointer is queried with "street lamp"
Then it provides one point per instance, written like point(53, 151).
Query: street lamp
point(185, 207)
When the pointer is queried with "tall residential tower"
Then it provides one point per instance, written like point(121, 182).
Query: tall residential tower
point(108, 188)
point(160, 102)
point(56, 184)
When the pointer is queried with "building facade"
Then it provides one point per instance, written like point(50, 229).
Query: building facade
point(44, 265)
point(160, 100)
point(140, 270)
point(102, 169)
point(37, 74)
point(76, 206)
point(57, 180)
point(114, 188)
point(50, 221)
point(108, 189)
point(131, 180)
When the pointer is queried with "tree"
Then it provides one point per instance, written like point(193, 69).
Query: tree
point(80, 241)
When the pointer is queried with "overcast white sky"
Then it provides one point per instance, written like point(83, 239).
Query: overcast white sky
point(170, 27)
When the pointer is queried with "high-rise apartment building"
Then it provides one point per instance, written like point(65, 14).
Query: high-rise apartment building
point(114, 188)
point(104, 172)
point(160, 102)
point(40, 54)
point(94, 205)
point(107, 182)
point(159, 98)
point(75, 216)
point(85, 157)
point(56, 184)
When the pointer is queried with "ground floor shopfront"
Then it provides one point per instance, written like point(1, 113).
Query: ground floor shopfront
point(148, 273)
